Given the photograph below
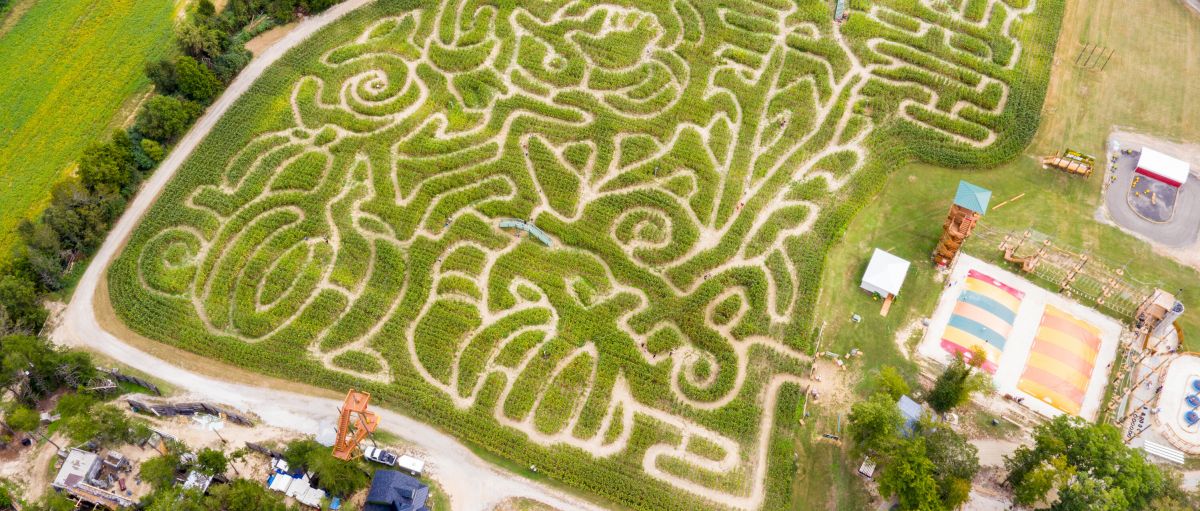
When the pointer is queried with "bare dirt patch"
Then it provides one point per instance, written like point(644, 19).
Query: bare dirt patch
point(262, 41)
point(522, 504)
point(29, 469)
point(15, 13)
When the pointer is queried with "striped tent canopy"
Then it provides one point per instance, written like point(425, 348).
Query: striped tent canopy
point(983, 317)
point(1061, 361)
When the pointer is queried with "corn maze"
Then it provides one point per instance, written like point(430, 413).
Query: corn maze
point(690, 162)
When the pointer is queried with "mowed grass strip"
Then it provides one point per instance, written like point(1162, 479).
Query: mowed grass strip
point(68, 66)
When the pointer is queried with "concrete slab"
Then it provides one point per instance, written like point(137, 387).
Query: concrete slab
point(1012, 360)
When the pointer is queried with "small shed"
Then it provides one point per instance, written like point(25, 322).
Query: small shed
point(885, 274)
point(911, 411)
point(1163, 168)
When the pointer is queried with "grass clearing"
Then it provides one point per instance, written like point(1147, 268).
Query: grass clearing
point(68, 66)
point(1145, 88)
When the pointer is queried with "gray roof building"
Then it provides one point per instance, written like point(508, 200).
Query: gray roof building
point(396, 491)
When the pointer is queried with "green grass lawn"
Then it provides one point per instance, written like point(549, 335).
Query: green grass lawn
point(69, 68)
point(1143, 89)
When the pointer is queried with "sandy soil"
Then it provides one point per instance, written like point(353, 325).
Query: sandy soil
point(29, 469)
point(264, 40)
point(520, 504)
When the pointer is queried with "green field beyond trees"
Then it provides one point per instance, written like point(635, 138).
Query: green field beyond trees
point(692, 162)
point(66, 69)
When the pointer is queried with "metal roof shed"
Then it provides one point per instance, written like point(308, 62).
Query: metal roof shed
point(911, 411)
point(885, 274)
point(1161, 167)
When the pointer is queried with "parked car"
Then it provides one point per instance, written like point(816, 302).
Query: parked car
point(379, 456)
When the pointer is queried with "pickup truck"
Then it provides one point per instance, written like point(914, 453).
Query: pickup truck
point(379, 456)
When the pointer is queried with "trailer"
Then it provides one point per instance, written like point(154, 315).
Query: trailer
point(411, 465)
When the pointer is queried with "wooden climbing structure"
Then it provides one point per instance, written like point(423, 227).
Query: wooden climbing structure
point(969, 203)
point(354, 424)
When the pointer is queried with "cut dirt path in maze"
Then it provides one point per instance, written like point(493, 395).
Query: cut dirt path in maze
point(473, 483)
point(755, 134)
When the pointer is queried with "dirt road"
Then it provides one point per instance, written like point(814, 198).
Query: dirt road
point(472, 483)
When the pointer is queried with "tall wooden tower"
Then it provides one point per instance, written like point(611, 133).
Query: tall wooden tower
point(969, 203)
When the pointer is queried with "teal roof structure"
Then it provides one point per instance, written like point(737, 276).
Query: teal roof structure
point(972, 197)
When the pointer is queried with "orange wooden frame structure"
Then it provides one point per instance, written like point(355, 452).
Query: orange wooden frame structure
point(354, 424)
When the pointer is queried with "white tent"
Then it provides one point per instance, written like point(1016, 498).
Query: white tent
point(1163, 168)
point(885, 274)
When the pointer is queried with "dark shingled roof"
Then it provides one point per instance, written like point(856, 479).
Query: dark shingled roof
point(396, 491)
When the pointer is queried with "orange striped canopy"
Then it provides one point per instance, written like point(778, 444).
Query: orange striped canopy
point(1061, 361)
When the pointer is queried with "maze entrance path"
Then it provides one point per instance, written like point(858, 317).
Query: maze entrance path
point(687, 161)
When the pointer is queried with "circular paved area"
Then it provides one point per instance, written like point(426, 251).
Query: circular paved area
point(1182, 228)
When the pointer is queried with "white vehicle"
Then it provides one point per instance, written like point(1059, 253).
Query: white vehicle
point(379, 456)
point(411, 464)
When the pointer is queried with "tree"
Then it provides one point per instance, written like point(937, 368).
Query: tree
point(889, 381)
point(106, 425)
point(909, 475)
point(956, 384)
point(212, 462)
point(23, 420)
point(110, 163)
point(1088, 465)
point(205, 9)
point(74, 404)
point(244, 495)
point(48, 367)
point(164, 118)
point(198, 41)
point(161, 73)
point(160, 471)
point(19, 299)
point(336, 476)
point(957, 462)
point(53, 501)
point(874, 423)
point(196, 80)
point(152, 149)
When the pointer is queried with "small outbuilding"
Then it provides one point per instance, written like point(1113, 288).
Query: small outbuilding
point(884, 276)
point(911, 411)
point(396, 491)
point(1162, 168)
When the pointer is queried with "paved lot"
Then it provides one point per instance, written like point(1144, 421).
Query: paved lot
point(1182, 228)
point(1152, 199)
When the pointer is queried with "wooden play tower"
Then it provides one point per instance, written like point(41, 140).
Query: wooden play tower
point(969, 203)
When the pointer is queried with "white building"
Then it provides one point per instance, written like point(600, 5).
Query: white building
point(885, 274)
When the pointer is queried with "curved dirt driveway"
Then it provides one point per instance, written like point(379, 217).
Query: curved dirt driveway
point(472, 483)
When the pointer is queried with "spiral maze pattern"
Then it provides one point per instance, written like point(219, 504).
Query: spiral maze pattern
point(676, 154)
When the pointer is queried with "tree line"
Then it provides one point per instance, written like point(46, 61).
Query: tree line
point(1071, 465)
point(208, 54)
